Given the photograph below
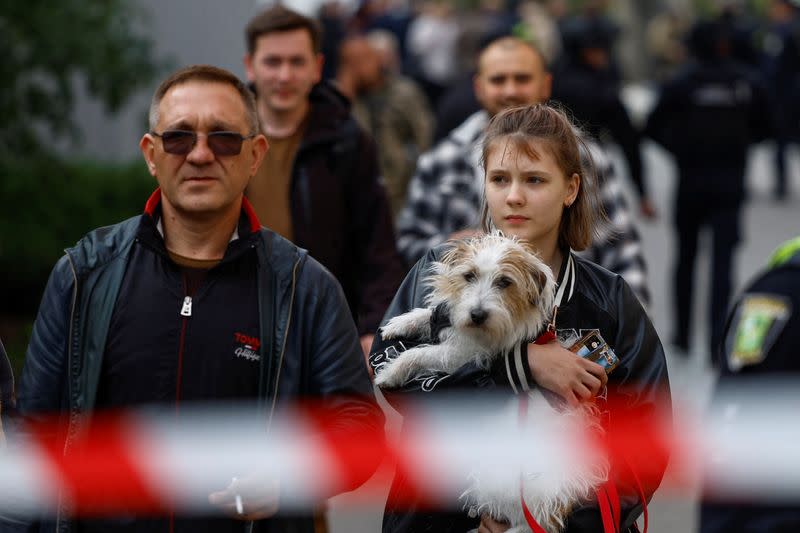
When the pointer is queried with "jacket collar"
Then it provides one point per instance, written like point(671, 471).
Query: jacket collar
point(152, 208)
point(328, 112)
point(566, 279)
point(151, 230)
point(471, 130)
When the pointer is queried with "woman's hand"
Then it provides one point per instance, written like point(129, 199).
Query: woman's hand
point(488, 525)
point(572, 377)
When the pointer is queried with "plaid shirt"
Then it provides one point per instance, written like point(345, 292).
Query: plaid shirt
point(444, 196)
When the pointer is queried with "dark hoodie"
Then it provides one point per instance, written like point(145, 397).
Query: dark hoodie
point(708, 115)
point(339, 209)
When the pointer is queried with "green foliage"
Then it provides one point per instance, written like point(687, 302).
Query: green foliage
point(47, 206)
point(759, 7)
point(711, 8)
point(47, 46)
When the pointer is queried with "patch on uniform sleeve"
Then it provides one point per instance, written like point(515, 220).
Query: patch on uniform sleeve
point(758, 321)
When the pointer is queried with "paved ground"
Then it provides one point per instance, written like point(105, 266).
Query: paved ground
point(766, 224)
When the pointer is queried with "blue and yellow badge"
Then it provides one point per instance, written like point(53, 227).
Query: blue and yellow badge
point(758, 321)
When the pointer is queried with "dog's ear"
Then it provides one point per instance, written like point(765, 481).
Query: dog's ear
point(441, 281)
point(537, 281)
point(456, 254)
point(540, 278)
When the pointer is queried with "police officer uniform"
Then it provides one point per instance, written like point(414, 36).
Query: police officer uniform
point(761, 341)
point(782, 68)
point(707, 117)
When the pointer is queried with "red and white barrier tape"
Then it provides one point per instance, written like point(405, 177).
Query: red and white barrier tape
point(148, 463)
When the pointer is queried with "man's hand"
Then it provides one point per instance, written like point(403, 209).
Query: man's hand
point(572, 377)
point(489, 525)
point(247, 499)
point(366, 345)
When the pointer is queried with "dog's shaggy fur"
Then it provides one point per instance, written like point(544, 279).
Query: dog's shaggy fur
point(567, 469)
point(496, 292)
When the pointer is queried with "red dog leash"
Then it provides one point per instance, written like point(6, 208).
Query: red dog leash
point(606, 494)
point(607, 497)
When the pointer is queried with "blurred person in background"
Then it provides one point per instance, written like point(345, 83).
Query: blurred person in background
point(458, 100)
point(432, 47)
point(759, 344)
point(394, 16)
point(666, 41)
point(742, 29)
point(445, 192)
point(707, 117)
point(333, 21)
point(319, 185)
point(591, 14)
point(498, 16)
point(782, 69)
point(391, 107)
point(539, 25)
point(535, 24)
point(587, 81)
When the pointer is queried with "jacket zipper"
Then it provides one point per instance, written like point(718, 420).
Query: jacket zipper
point(185, 313)
point(186, 308)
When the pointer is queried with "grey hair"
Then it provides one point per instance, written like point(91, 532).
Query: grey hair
point(206, 73)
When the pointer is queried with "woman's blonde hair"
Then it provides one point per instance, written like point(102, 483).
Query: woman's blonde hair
point(580, 222)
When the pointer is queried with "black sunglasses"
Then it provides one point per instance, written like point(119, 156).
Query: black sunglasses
point(181, 142)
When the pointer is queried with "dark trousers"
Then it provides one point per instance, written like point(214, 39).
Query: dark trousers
point(693, 212)
point(786, 132)
point(781, 157)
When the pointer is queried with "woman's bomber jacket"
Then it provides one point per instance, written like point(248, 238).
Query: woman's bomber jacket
point(594, 298)
point(309, 345)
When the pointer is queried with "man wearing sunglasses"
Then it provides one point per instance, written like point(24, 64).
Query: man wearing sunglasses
point(319, 185)
point(194, 301)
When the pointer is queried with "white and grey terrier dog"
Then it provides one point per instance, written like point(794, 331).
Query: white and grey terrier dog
point(496, 292)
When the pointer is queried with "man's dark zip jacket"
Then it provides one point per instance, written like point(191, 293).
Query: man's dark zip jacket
point(307, 345)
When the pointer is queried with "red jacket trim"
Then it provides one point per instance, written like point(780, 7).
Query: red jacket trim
point(247, 207)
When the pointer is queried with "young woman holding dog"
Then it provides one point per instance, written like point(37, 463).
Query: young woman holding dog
point(537, 190)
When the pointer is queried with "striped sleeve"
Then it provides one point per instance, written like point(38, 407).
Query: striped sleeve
point(513, 369)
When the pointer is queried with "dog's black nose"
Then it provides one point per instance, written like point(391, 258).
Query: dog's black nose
point(478, 316)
